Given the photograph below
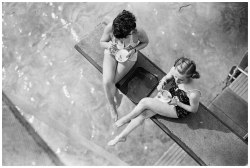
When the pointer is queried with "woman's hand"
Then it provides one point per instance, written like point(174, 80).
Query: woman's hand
point(130, 53)
point(161, 84)
point(159, 87)
point(174, 101)
point(113, 48)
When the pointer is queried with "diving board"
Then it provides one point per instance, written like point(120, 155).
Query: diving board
point(201, 135)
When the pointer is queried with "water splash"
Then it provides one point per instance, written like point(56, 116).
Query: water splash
point(66, 148)
point(93, 132)
point(43, 35)
point(32, 99)
point(20, 73)
point(66, 92)
point(58, 150)
point(51, 63)
point(44, 14)
point(63, 21)
point(53, 15)
point(31, 119)
point(92, 90)
point(75, 36)
point(155, 11)
point(47, 83)
point(60, 8)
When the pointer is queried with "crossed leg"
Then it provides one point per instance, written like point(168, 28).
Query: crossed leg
point(146, 108)
point(152, 104)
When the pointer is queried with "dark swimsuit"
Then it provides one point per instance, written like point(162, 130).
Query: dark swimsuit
point(182, 95)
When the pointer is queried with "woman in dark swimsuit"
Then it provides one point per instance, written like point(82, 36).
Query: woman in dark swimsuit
point(185, 99)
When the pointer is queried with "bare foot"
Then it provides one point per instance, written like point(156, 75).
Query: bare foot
point(116, 140)
point(114, 114)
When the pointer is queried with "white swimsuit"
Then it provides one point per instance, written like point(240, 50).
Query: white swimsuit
point(122, 45)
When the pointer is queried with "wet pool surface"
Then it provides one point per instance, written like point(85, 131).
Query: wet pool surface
point(61, 94)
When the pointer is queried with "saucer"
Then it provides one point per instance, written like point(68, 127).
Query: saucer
point(122, 55)
point(166, 95)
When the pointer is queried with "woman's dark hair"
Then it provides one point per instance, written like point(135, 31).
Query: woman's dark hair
point(187, 67)
point(123, 24)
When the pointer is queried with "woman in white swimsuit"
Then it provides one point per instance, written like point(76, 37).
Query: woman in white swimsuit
point(185, 99)
point(121, 34)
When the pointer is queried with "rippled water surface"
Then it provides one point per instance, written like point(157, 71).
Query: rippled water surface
point(61, 94)
point(58, 92)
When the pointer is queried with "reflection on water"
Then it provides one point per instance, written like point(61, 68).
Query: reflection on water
point(58, 92)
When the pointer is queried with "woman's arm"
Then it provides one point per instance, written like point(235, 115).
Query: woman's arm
point(143, 38)
point(105, 40)
point(143, 42)
point(194, 100)
point(165, 78)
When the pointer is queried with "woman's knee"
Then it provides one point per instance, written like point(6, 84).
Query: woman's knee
point(139, 119)
point(107, 82)
point(145, 102)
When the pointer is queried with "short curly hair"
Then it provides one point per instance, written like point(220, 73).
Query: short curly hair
point(123, 24)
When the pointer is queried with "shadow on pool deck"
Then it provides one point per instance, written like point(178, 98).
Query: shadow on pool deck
point(199, 125)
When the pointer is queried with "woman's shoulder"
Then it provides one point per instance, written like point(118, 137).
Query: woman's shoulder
point(172, 69)
point(108, 28)
point(140, 31)
point(195, 93)
point(194, 89)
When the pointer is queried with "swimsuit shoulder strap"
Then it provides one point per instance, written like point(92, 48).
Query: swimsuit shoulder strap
point(113, 39)
point(194, 90)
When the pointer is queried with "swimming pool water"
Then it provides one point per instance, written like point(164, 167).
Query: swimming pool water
point(60, 94)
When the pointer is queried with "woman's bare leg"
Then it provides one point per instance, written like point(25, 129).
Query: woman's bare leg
point(112, 73)
point(109, 73)
point(139, 108)
point(131, 126)
point(152, 104)
point(122, 69)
